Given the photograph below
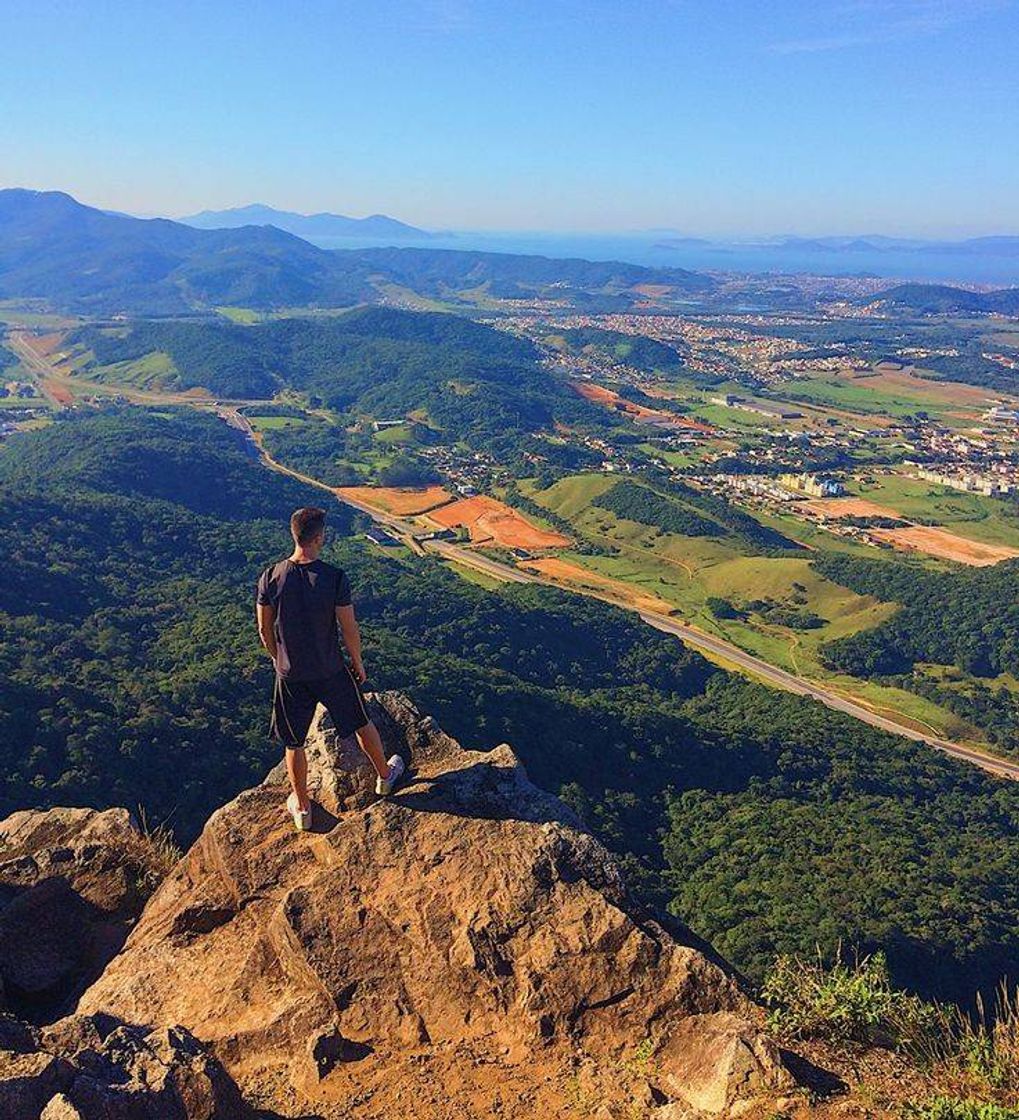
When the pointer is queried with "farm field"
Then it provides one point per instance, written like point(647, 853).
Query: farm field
point(929, 390)
point(854, 395)
point(490, 521)
point(35, 315)
point(884, 394)
point(974, 516)
point(401, 501)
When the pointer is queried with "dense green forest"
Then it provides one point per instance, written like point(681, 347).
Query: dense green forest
point(467, 380)
point(637, 503)
point(968, 619)
point(130, 673)
point(7, 359)
point(690, 513)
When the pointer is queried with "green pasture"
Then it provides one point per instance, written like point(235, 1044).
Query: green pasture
point(153, 372)
point(245, 316)
point(275, 423)
point(687, 571)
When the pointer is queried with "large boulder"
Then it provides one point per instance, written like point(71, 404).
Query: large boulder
point(464, 948)
point(72, 882)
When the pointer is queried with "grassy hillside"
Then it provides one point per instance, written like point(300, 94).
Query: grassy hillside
point(966, 621)
point(774, 605)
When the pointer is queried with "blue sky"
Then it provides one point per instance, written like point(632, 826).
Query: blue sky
point(895, 116)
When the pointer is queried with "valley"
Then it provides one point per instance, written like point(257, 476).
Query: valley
point(729, 427)
point(550, 514)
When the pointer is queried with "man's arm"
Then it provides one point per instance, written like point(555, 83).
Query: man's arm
point(352, 640)
point(266, 616)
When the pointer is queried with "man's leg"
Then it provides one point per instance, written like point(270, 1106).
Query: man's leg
point(297, 772)
point(341, 694)
point(292, 713)
point(370, 741)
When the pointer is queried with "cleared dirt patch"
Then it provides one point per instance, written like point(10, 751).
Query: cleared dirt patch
point(43, 344)
point(60, 393)
point(398, 500)
point(849, 507)
point(608, 398)
point(489, 520)
point(575, 576)
point(946, 545)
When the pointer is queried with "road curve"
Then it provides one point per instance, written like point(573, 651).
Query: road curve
point(992, 764)
point(1000, 767)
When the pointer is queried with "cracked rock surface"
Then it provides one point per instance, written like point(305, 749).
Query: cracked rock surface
point(462, 948)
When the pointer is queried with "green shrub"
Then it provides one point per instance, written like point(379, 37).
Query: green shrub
point(722, 608)
point(843, 1002)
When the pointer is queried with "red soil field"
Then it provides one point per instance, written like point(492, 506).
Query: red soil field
point(574, 575)
point(489, 520)
point(946, 545)
point(851, 507)
point(610, 399)
point(399, 500)
point(58, 392)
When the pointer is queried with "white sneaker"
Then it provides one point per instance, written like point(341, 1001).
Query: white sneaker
point(384, 786)
point(302, 817)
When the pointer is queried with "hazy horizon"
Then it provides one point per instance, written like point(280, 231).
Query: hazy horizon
point(469, 114)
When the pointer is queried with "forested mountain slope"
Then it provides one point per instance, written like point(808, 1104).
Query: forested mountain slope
point(967, 620)
point(86, 260)
point(131, 674)
point(467, 380)
point(83, 259)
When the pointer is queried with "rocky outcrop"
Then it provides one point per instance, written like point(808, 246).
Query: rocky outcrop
point(72, 882)
point(95, 1068)
point(464, 948)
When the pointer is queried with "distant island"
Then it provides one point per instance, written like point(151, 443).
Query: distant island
point(306, 225)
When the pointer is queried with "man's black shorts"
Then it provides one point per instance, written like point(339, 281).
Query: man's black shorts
point(294, 703)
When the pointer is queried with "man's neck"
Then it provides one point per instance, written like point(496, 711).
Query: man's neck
point(304, 555)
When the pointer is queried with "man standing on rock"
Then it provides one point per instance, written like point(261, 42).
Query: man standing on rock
point(303, 605)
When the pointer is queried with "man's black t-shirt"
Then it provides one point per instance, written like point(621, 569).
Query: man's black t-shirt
point(305, 598)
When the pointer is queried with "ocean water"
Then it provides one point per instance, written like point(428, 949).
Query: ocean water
point(647, 249)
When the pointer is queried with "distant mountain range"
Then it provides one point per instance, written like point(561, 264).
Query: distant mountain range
point(86, 260)
point(307, 225)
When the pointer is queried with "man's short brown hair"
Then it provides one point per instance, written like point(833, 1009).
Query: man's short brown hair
point(306, 523)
